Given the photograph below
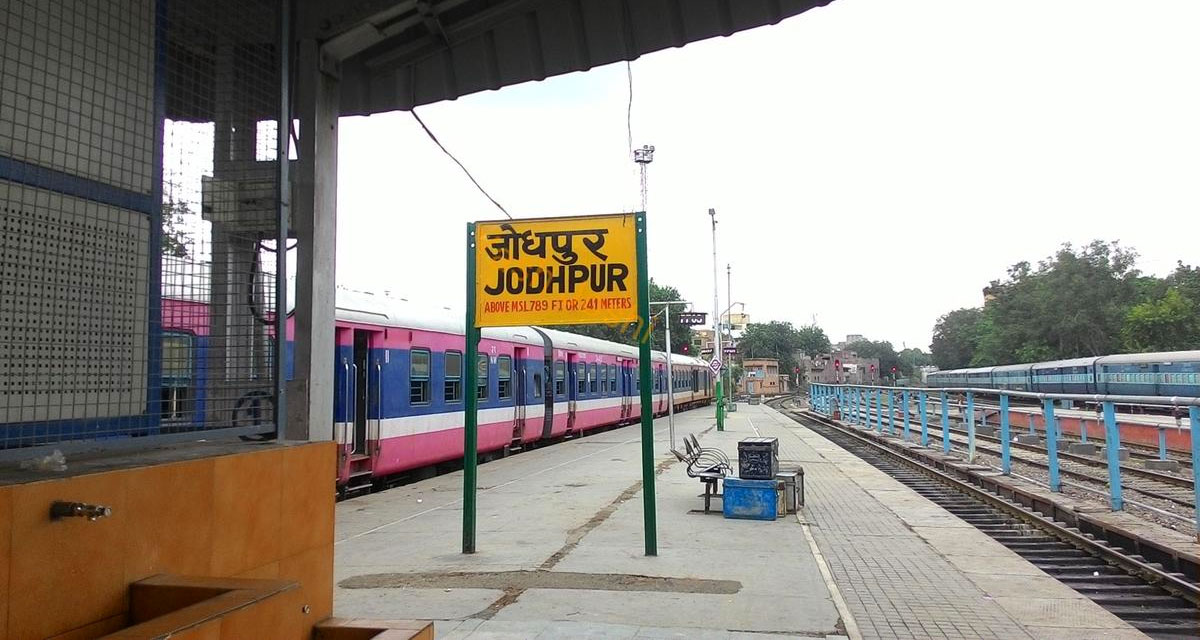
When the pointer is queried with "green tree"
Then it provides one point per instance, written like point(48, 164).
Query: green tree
point(812, 340)
point(955, 338)
point(1186, 279)
point(881, 350)
point(778, 340)
point(681, 335)
point(1072, 304)
point(912, 360)
point(1168, 324)
point(174, 239)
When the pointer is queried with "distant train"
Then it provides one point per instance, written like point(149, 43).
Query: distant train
point(399, 384)
point(1175, 373)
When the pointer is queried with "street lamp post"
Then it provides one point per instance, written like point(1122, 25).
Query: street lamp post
point(670, 377)
point(717, 353)
point(729, 389)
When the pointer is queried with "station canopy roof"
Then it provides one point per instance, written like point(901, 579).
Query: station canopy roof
point(400, 54)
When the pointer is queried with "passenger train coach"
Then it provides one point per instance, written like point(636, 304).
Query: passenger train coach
point(399, 385)
point(1174, 373)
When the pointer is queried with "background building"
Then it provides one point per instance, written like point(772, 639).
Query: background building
point(823, 369)
point(760, 376)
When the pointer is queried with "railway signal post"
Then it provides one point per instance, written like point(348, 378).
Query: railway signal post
point(555, 271)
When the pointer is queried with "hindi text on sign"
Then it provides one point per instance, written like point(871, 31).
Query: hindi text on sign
point(556, 271)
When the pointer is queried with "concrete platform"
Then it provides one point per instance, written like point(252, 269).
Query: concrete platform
point(560, 553)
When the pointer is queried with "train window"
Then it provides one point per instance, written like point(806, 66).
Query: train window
point(612, 378)
point(580, 378)
point(504, 376)
point(481, 383)
point(537, 385)
point(603, 378)
point(176, 376)
point(560, 378)
point(593, 383)
point(418, 377)
point(453, 387)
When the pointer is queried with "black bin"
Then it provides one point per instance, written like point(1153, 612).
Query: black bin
point(758, 458)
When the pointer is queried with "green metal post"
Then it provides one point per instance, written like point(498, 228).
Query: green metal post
point(648, 516)
point(471, 422)
point(720, 405)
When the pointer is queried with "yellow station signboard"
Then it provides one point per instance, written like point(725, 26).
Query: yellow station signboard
point(549, 271)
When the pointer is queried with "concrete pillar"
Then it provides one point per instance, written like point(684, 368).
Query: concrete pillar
point(314, 219)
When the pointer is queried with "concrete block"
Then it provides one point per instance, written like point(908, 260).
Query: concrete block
point(1029, 438)
point(1122, 453)
point(1161, 465)
point(989, 431)
point(1083, 448)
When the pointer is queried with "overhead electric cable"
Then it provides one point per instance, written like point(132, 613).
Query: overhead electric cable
point(460, 165)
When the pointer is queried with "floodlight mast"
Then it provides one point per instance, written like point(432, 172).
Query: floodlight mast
point(643, 157)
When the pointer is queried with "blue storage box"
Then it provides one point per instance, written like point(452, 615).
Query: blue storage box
point(750, 499)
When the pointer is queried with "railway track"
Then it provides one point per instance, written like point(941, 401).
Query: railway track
point(1158, 603)
point(1177, 491)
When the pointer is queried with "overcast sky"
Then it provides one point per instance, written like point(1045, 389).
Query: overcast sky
point(873, 164)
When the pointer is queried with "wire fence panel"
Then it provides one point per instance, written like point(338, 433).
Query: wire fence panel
point(138, 209)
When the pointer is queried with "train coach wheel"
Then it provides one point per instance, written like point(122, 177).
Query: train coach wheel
point(253, 408)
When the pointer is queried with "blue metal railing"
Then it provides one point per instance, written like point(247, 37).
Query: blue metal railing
point(863, 406)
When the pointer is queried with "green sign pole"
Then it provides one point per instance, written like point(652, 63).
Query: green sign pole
point(646, 388)
point(471, 424)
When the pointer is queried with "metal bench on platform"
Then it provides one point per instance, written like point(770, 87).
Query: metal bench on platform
point(710, 466)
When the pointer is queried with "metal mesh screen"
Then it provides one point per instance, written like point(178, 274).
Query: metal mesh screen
point(138, 210)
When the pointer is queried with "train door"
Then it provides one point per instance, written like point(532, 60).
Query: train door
point(361, 370)
point(344, 405)
point(573, 382)
point(365, 399)
point(521, 395)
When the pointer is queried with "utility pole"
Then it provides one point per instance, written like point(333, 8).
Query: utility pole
point(712, 213)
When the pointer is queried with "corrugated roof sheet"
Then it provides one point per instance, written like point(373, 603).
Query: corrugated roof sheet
point(411, 53)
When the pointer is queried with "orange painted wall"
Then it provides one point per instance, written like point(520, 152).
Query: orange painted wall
point(265, 512)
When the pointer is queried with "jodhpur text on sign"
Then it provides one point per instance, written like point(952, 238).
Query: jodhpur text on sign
point(552, 271)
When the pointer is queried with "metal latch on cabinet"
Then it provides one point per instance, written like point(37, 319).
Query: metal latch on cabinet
point(60, 509)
